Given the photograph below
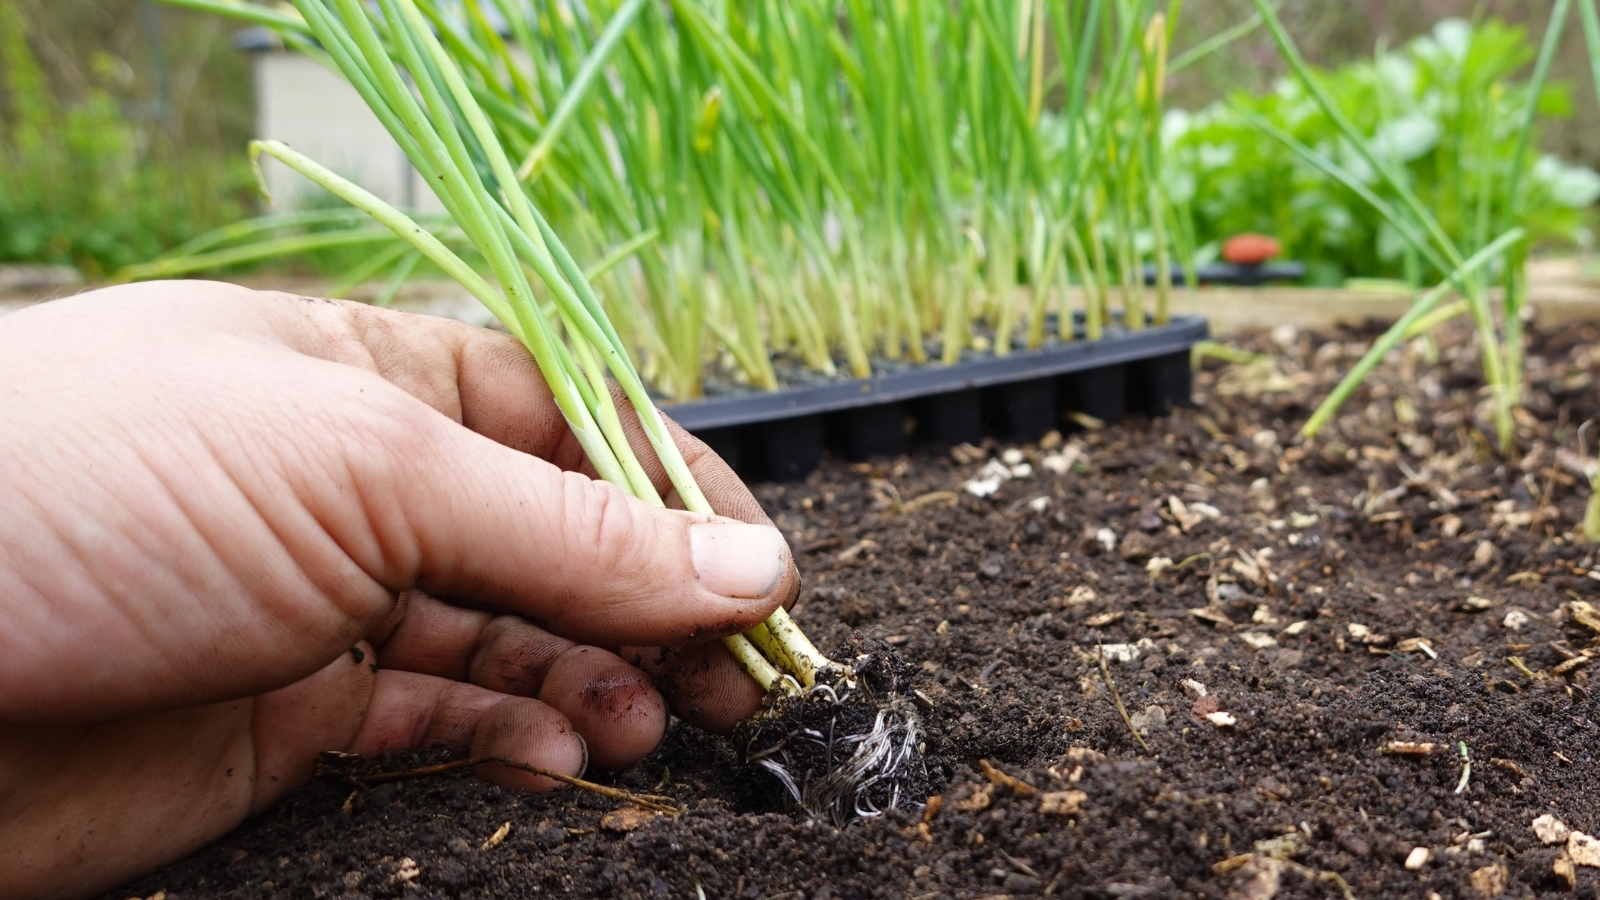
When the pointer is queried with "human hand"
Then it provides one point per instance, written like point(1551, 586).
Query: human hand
point(243, 528)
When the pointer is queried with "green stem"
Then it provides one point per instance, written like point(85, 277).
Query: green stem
point(1391, 338)
point(369, 267)
point(1066, 326)
point(276, 248)
point(397, 278)
point(1591, 512)
point(578, 88)
point(255, 14)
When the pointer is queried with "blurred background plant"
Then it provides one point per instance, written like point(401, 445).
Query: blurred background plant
point(1444, 110)
point(123, 125)
point(113, 149)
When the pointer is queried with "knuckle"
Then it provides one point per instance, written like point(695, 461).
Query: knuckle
point(514, 657)
point(601, 519)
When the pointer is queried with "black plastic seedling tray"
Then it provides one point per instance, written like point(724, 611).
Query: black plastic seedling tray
point(781, 436)
point(1241, 274)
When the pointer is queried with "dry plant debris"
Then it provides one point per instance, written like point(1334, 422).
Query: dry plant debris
point(1489, 881)
point(1584, 850)
point(1417, 858)
point(627, 818)
point(499, 835)
point(1564, 869)
point(652, 802)
point(1062, 803)
point(1014, 785)
point(1410, 748)
point(1585, 614)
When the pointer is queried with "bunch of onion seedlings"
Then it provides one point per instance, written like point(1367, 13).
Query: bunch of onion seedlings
point(392, 55)
point(831, 182)
point(1468, 263)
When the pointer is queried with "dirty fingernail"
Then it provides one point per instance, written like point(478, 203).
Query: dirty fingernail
point(738, 560)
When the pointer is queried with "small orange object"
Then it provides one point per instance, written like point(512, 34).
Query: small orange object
point(1250, 249)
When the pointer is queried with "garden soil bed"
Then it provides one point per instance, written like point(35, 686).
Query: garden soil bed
point(1325, 574)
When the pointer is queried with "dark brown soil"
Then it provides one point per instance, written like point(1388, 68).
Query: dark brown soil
point(1323, 571)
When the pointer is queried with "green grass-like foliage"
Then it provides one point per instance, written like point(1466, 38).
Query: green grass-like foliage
point(1445, 111)
point(832, 181)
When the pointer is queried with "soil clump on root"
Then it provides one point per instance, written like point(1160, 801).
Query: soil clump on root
point(1363, 667)
point(848, 748)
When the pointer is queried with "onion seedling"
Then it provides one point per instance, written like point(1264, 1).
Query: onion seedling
point(1591, 512)
point(393, 56)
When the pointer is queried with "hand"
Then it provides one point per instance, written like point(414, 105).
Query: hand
point(243, 528)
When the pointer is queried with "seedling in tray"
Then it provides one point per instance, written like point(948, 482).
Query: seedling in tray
point(839, 735)
point(807, 188)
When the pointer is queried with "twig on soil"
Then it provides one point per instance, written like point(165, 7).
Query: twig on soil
point(1021, 866)
point(1010, 782)
point(1549, 489)
point(1190, 560)
point(654, 802)
point(832, 543)
point(989, 670)
point(1116, 699)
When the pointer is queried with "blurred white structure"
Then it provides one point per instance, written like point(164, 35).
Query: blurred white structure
point(317, 113)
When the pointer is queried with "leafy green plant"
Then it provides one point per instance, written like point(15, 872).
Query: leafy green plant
point(85, 186)
point(1445, 113)
point(1365, 159)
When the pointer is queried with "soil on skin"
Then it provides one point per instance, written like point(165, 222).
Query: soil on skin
point(1392, 582)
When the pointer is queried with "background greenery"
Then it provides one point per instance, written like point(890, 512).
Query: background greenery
point(123, 122)
point(1444, 109)
point(121, 131)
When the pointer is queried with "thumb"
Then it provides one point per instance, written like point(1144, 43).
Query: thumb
point(580, 557)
